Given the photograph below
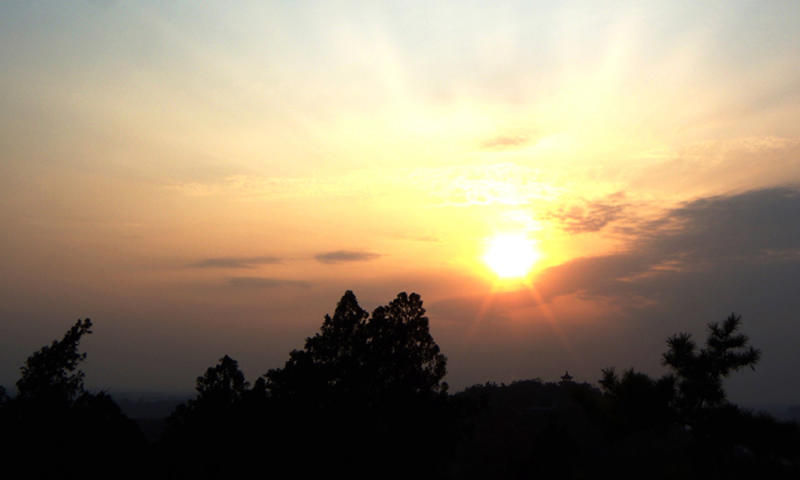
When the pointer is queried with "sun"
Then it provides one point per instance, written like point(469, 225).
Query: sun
point(511, 256)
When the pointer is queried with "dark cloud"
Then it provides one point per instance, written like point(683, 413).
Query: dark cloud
point(235, 262)
point(260, 282)
point(751, 225)
point(755, 229)
point(693, 265)
point(591, 216)
point(341, 256)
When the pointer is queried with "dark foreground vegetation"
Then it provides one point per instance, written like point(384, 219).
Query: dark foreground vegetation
point(365, 398)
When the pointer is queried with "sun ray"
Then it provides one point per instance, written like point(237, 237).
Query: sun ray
point(548, 314)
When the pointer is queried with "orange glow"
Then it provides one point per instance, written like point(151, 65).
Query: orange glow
point(511, 256)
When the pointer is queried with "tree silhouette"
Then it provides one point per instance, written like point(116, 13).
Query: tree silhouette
point(700, 372)
point(363, 358)
point(224, 383)
point(205, 436)
point(366, 390)
point(330, 363)
point(52, 372)
point(401, 349)
point(637, 401)
point(53, 417)
point(220, 390)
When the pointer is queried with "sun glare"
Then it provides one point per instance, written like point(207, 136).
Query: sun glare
point(511, 256)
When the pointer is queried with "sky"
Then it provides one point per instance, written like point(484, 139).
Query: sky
point(203, 179)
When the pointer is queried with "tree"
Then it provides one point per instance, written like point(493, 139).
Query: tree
point(206, 436)
point(401, 349)
point(224, 383)
point(700, 372)
point(362, 357)
point(363, 392)
point(638, 402)
point(52, 372)
point(329, 364)
point(693, 392)
point(53, 417)
point(220, 389)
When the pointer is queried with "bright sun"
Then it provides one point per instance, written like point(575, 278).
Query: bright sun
point(511, 256)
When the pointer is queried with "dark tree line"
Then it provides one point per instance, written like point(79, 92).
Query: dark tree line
point(53, 428)
point(365, 398)
point(693, 389)
point(364, 393)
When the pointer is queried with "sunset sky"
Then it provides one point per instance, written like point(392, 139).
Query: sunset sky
point(203, 178)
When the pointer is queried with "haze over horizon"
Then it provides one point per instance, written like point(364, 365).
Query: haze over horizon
point(209, 179)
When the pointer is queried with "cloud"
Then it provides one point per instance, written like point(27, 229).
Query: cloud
point(235, 262)
point(499, 184)
point(748, 225)
point(461, 185)
point(341, 256)
point(504, 142)
point(260, 282)
point(732, 252)
point(687, 267)
point(740, 164)
point(591, 216)
point(749, 231)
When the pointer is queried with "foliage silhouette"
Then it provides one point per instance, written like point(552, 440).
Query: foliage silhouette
point(53, 417)
point(401, 350)
point(52, 372)
point(694, 389)
point(700, 373)
point(368, 390)
point(206, 435)
point(637, 402)
point(365, 398)
point(358, 358)
point(221, 389)
point(686, 412)
point(363, 393)
point(223, 383)
point(528, 429)
point(330, 363)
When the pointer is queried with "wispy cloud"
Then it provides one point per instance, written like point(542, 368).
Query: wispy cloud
point(590, 216)
point(235, 262)
point(498, 184)
point(341, 256)
point(461, 185)
point(261, 282)
point(508, 141)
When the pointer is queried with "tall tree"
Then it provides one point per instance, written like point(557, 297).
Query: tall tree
point(359, 356)
point(401, 350)
point(53, 416)
point(218, 390)
point(329, 364)
point(362, 393)
point(206, 437)
point(52, 372)
point(223, 383)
